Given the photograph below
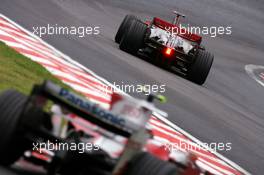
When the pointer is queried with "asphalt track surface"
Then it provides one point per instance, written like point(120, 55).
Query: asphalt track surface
point(228, 108)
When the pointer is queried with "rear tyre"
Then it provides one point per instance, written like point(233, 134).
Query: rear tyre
point(146, 163)
point(124, 27)
point(133, 39)
point(200, 69)
point(12, 145)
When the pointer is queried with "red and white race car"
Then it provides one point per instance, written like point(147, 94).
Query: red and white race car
point(89, 139)
point(166, 44)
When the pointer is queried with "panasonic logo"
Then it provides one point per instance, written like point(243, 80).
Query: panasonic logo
point(91, 108)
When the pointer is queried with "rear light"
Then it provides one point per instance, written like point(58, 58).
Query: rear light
point(168, 51)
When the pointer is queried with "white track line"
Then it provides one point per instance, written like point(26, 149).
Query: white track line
point(250, 70)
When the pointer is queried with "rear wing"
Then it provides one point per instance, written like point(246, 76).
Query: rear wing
point(183, 33)
point(82, 107)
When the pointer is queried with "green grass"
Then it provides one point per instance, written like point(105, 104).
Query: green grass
point(19, 72)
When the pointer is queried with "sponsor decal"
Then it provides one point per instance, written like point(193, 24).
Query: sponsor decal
point(91, 108)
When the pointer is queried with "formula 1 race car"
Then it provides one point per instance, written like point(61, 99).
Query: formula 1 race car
point(166, 44)
point(26, 120)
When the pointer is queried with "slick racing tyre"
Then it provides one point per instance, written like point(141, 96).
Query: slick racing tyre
point(124, 27)
point(145, 163)
point(12, 145)
point(200, 69)
point(133, 39)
